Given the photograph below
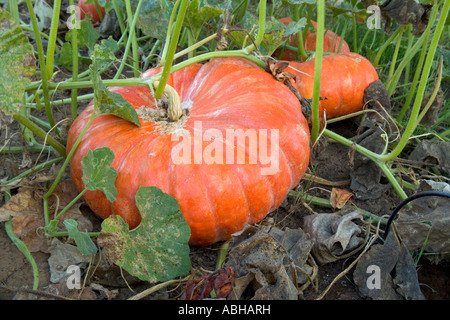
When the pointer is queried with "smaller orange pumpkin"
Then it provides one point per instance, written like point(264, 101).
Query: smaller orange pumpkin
point(331, 43)
point(344, 78)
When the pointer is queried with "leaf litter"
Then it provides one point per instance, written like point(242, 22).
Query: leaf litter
point(366, 176)
point(406, 12)
point(26, 212)
point(270, 263)
point(397, 273)
point(334, 234)
point(426, 225)
point(217, 285)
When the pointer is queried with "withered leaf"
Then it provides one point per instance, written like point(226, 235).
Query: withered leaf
point(270, 263)
point(214, 285)
point(407, 12)
point(27, 213)
point(339, 197)
point(335, 234)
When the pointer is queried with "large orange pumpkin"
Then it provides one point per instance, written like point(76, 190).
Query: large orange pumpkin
point(224, 96)
point(344, 78)
point(331, 43)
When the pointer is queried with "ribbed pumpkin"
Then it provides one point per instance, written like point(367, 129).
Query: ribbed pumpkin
point(331, 43)
point(223, 96)
point(344, 78)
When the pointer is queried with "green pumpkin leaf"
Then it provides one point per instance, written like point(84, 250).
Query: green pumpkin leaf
point(104, 53)
point(108, 5)
point(82, 239)
point(294, 27)
point(98, 173)
point(222, 4)
point(110, 102)
point(154, 16)
point(273, 37)
point(196, 16)
point(65, 56)
point(157, 250)
point(17, 64)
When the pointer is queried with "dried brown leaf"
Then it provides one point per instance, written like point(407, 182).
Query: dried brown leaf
point(27, 214)
point(339, 197)
point(214, 285)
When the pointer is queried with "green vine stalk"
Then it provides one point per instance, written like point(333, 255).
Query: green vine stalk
point(74, 94)
point(318, 70)
point(169, 33)
point(131, 42)
point(52, 38)
point(422, 84)
point(422, 41)
point(64, 166)
point(25, 251)
point(40, 133)
point(393, 62)
point(42, 63)
point(171, 49)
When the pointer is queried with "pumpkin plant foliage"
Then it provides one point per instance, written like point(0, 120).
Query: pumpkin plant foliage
point(82, 239)
point(155, 251)
point(108, 102)
point(158, 249)
point(154, 17)
point(98, 173)
point(274, 35)
point(111, 102)
point(17, 64)
point(197, 16)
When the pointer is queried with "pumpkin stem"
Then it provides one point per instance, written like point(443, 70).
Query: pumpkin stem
point(174, 110)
